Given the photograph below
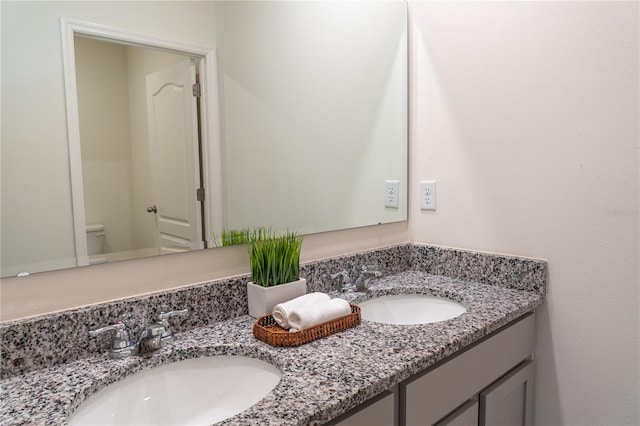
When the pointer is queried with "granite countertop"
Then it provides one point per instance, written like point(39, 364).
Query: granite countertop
point(320, 380)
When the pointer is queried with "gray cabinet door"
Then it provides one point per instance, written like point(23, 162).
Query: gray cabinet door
point(431, 396)
point(509, 401)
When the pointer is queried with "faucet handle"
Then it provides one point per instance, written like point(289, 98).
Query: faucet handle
point(120, 345)
point(344, 281)
point(372, 269)
point(163, 317)
point(342, 274)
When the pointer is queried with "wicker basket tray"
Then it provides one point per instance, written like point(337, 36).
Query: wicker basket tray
point(267, 330)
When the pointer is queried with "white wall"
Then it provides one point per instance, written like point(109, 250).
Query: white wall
point(526, 115)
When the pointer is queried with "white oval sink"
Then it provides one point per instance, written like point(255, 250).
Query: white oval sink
point(407, 309)
point(198, 391)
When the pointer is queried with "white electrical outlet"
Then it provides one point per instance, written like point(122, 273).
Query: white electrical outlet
point(428, 194)
point(392, 193)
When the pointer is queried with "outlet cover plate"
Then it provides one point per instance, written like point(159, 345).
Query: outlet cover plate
point(427, 194)
point(392, 193)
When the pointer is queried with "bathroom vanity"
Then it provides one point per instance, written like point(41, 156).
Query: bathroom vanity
point(490, 382)
point(477, 365)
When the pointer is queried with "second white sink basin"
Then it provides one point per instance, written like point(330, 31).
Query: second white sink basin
point(198, 391)
point(408, 309)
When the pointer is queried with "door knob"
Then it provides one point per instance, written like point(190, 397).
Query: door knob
point(152, 209)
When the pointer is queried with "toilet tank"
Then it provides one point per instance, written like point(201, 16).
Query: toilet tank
point(95, 239)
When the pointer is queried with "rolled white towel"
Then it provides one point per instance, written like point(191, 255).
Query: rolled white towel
point(306, 316)
point(281, 311)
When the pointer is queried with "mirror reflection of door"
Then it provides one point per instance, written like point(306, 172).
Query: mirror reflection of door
point(172, 109)
point(118, 171)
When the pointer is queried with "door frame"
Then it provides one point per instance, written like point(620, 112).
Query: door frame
point(209, 119)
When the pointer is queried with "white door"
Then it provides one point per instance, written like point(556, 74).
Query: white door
point(175, 173)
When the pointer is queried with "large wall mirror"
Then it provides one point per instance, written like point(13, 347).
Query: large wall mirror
point(301, 125)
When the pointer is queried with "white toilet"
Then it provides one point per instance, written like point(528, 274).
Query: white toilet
point(95, 244)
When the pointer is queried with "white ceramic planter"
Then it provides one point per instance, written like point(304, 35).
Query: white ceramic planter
point(263, 299)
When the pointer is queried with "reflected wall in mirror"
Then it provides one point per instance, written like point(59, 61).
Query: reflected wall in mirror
point(313, 121)
point(314, 111)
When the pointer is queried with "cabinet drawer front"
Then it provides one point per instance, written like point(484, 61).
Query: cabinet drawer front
point(439, 391)
point(382, 412)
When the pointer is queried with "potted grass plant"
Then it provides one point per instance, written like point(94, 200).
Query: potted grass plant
point(275, 270)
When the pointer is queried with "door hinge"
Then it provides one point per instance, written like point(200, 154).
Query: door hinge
point(196, 90)
point(200, 194)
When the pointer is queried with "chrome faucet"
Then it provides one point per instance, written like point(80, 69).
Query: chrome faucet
point(150, 339)
point(367, 272)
